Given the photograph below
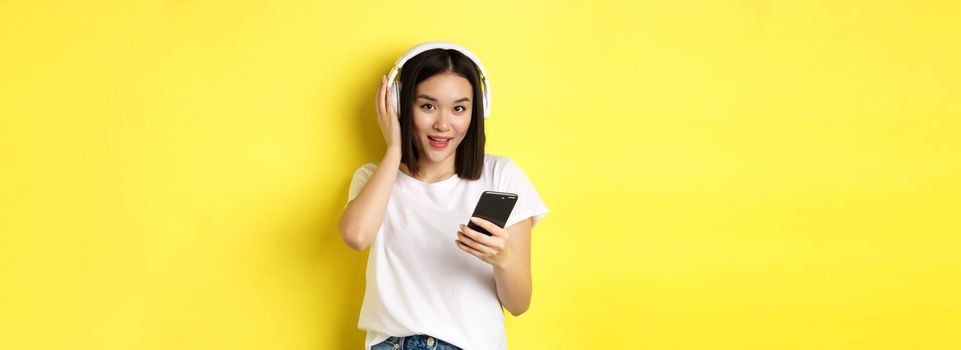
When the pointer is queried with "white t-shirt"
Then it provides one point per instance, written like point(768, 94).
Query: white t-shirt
point(418, 280)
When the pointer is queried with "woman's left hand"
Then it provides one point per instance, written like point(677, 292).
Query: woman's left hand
point(493, 249)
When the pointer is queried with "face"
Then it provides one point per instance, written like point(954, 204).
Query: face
point(442, 115)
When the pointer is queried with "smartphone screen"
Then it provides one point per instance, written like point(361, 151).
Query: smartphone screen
point(495, 207)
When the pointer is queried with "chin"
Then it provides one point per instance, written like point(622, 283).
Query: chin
point(439, 156)
point(436, 156)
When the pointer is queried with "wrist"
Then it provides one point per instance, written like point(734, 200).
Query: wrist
point(505, 263)
point(394, 151)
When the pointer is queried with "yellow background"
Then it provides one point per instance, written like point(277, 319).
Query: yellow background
point(720, 174)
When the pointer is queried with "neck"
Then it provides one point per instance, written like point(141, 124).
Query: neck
point(432, 171)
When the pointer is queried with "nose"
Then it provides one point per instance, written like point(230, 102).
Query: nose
point(443, 122)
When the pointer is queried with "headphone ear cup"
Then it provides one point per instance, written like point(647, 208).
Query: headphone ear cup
point(396, 91)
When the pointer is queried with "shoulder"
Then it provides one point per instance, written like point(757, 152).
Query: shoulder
point(369, 166)
point(500, 168)
point(365, 170)
point(497, 163)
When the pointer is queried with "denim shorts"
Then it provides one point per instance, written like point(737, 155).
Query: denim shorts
point(414, 342)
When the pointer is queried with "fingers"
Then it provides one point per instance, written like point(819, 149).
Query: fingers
point(478, 236)
point(380, 96)
point(462, 238)
point(468, 249)
point(480, 242)
point(489, 226)
point(390, 102)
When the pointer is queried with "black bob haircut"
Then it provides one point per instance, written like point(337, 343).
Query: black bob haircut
point(469, 157)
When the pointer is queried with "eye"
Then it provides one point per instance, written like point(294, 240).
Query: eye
point(427, 106)
point(460, 110)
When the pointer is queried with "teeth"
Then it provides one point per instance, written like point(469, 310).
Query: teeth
point(438, 140)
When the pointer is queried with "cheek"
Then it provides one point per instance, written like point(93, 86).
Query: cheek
point(421, 122)
point(463, 126)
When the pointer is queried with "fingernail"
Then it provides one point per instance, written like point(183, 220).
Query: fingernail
point(473, 219)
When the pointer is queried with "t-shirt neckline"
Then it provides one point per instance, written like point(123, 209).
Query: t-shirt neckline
point(413, 180)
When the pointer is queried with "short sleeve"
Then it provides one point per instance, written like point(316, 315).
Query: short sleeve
point(359, 180)
point(529, 203)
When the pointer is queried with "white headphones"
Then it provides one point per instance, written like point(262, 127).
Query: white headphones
point(414, 51)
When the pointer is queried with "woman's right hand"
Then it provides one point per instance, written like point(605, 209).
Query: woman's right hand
point(387, 116)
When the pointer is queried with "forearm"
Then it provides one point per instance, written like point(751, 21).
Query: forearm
point(513, 281)
point(364, 215)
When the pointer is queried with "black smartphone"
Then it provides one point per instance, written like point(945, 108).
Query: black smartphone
point(495, 207)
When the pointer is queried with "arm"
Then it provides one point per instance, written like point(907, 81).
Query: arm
point(364, 215)
point(509, 252)
point(513, 278)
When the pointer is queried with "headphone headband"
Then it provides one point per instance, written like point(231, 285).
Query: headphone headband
point(416, 50)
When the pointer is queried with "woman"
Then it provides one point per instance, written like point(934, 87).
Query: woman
point(432, 282)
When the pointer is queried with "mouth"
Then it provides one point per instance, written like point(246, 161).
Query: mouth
point(439, 142)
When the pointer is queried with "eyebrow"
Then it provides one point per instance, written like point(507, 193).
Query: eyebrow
point(465, 99)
